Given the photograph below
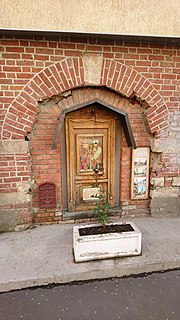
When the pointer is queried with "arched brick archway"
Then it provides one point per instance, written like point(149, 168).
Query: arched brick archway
point(71, 73)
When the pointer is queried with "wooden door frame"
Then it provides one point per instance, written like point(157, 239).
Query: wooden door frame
point(124, 122)
point(75, 127)
point(66, 214)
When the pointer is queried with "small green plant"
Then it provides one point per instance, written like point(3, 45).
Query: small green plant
point(102, 206)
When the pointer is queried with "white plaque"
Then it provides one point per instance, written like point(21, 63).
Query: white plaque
point(89, 194)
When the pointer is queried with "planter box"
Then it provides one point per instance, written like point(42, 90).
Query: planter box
point(108, 245)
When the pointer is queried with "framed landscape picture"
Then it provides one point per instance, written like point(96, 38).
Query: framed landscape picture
point(140, 173)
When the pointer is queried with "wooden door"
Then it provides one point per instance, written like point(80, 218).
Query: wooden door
point(90, 138)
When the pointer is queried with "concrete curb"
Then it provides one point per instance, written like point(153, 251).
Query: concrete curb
point(94, 275)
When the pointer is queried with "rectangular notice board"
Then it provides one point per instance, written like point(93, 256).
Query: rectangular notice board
point(140, 173)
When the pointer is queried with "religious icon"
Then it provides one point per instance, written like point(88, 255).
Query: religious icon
point(90, 153)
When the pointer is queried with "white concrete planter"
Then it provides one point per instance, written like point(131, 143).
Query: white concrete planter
point(109, 245)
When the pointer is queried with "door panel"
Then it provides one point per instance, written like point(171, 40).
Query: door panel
point(90, 160)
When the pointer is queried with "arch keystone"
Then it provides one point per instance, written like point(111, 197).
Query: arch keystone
point(92, 68)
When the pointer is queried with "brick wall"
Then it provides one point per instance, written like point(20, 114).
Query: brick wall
point(22, 59)
point(35, 71)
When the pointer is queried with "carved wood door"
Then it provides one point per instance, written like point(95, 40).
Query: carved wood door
point(90, 157)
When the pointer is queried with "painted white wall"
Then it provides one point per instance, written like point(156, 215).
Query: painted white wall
point(155, 17)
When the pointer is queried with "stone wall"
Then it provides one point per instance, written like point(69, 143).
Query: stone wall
point(15, 197)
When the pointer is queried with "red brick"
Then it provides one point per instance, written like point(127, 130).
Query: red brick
point(66, 45)
point(6, 81)
point(41, 57)
point(11, 69)
point(24, 75)
point(46, 51)
point(6, 100)
point(168, 76)
point(38, 44)
point(73, 53)
point(131, 56)
point(6, 180)
point(10, 42)
point(10, 56)
point(14, 49)
point(24, 43)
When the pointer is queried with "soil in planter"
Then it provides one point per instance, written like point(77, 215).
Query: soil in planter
point(110, 228)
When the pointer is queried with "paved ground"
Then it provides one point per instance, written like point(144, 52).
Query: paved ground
point(44, 255)
point(151, 297)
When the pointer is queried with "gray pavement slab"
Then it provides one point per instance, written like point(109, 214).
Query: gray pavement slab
point(44, 255)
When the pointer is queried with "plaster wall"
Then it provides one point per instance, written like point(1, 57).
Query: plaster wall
point(113, 16)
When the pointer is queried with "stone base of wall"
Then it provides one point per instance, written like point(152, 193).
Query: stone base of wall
point(9, 219)
point(138, 213)
point(15, 220)
point(16, 185)
point(165, 207)
point(166, 201)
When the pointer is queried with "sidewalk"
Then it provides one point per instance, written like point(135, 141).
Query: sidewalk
point(44, 255)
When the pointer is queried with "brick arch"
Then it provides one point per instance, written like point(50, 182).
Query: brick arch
point(70, 73)
point(130, 83)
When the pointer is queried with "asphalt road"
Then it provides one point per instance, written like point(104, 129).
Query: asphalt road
point(147, 297)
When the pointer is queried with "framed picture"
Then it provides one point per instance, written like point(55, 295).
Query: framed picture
point(140, 173)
